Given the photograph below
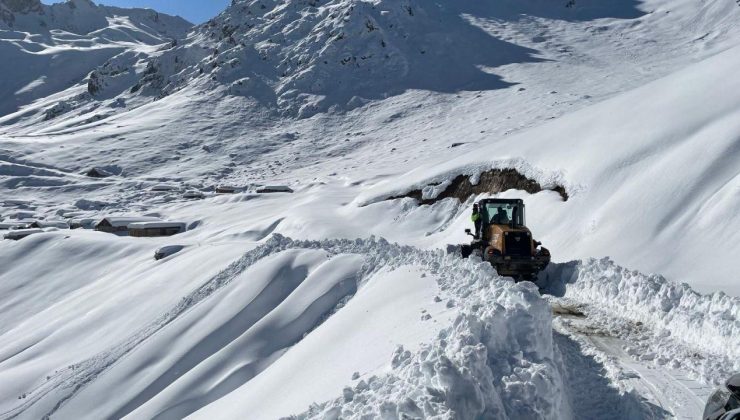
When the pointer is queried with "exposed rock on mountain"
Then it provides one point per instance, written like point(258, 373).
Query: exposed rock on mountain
point(51, 50)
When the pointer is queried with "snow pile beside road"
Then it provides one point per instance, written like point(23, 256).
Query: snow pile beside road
point(496, 361)
point(679, 318)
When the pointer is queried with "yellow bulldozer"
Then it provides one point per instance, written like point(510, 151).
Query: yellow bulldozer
point(505, 241)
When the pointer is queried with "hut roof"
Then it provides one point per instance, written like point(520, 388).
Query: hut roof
point(122, 221)
point(164, 187)
point(275, 188)
point(12, 225)
point(96, 172)
point(61, 224)
point(21, 233)
point(156, 225)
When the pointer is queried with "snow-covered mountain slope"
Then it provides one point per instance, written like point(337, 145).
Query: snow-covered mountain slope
point(47, 50)
point(204, 134)
point(298, 58)
point(652, 175)
point(275, 308)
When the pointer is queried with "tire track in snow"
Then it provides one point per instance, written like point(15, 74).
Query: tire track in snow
point(665, 392)
point(671, 389)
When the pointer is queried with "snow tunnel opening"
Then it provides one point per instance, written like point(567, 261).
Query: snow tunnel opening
point(493, 181)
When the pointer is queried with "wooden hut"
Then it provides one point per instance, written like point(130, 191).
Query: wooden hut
point(40, 224)
point(163, 188)
point(274, 189)
point(13, 225)
point(119, 224)
point(190, 195)
point(225, 189)
point(152, 229)
point(19, 234)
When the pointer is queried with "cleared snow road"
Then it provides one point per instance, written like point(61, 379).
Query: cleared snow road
point(647, 390)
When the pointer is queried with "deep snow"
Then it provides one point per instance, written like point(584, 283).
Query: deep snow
point(272, 306)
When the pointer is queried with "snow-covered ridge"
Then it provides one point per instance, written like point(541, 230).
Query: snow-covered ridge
point(49, 52)
point(480, 366)
point(305, 57)
point(81, 17)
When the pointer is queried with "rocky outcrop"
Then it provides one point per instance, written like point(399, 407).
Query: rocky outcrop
point(490, 182)
point(305, 57)
point(8, 9)
point(22, 6)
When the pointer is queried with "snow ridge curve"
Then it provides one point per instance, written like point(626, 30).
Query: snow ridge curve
point(499, 347)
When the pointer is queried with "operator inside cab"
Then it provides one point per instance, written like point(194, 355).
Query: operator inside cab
point(501, 217)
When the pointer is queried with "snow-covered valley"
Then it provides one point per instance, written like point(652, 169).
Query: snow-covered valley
point(340, 299)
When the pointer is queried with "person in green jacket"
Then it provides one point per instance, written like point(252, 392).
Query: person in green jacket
point(475, 218)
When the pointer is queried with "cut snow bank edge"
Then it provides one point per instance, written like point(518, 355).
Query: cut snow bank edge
point(710, 323)
point(441, 175)
point(497, 359)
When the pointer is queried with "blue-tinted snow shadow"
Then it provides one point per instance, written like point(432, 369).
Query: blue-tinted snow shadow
point(591, 394)
point(568, 10)
point(437, 46)
point(556, 276)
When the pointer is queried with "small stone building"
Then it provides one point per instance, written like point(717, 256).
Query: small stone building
point(274, 189)
point(225, 189)
point(152, 229)
point(16, 235)
point(119, 224)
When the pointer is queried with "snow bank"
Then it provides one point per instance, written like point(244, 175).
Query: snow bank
point(496, 360)
point(708, 324)
point(432, 183)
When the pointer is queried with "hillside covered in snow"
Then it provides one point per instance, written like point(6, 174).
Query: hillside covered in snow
point(322, 158)
point(51, 51)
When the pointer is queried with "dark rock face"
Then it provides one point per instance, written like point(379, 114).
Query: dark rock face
point(94, 83)
point(98, 173)
point(22, 6)
point(8, 9)
point(491, 182)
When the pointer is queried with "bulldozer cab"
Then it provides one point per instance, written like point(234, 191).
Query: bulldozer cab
point(505, 241)
point(503, 212)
